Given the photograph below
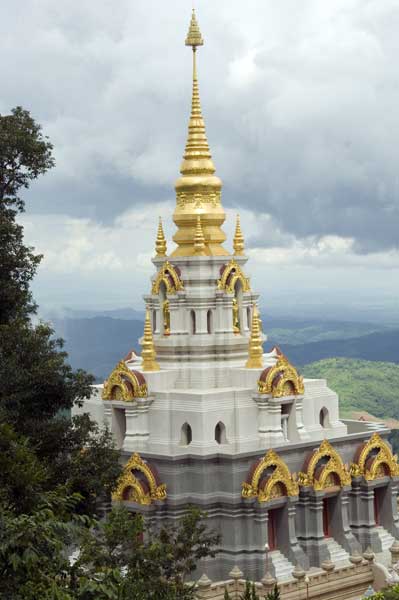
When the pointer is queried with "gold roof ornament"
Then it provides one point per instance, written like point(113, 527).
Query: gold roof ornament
point(160, 244)
point(238, 241)
point(255, 350)
point(383, 462)
point(124, 384)
point(129, 487)
point(198, 190)
point(333, 472)
point(281, 380)
point(199, 240)
point(148, 353)
point(280, 481)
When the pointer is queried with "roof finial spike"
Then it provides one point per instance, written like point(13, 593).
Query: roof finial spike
point(198, 179)
point(255, 348)
point(238, 241)
point(199, 239)
point(160, 244)
point(148, 353)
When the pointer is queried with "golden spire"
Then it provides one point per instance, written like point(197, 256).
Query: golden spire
point(238, 242)
point(255, 350)
point(160, 244)
point(198, 189)
point(148, 353)
point(199, 240)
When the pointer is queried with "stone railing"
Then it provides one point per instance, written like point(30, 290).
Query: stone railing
point(328, 583)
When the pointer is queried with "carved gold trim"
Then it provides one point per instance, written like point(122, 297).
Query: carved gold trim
point(383, 457)
point(234, 269)
point(162, 276)
point(334, 466)
point(288, 375)
point(118, 379)
point(127, 479)
point(280, 475)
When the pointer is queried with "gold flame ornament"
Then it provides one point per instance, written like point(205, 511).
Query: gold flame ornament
point(255, 350)
point(238, 241)
point(148, 353)
point(160, 244)
point(198, 190)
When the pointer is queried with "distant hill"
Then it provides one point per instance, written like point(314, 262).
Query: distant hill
point(97, 344)
point(381, 346)
point(361, 384)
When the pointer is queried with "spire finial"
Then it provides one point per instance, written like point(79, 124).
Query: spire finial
point(194, 37)
point(198, 186)
point(238, 241)
point(255, 349)
point(199, 240)
point(160, 244)
point(148, 353)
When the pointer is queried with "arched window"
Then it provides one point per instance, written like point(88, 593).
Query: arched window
point(324, 417)
point(154, 321)
point(220, 433)
point(209, 321)
point(237, 307)
point(193, 325)
point(186, 435)
point(249, 324)
point(162, 298)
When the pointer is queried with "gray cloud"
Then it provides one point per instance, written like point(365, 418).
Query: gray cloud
point(301, 102)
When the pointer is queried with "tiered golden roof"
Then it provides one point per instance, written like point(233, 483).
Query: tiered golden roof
point(198, 190)
point(160, 244)
point(255, 350)
point(238, 241)
point(148, 353)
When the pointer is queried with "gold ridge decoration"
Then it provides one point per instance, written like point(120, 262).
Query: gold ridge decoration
point(232, 273)
point(130, 486)
point(198, 189)
point(238, 241)
point(124, 384)
point(375, 460)
point(255, 347)
point(280, 481)
point(170, 277)
point(331, 473)
point(199, 240)
point(281, 380)
point(160, 244)
point(148, 353)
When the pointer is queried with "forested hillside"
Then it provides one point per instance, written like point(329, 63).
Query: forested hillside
point(361, 384)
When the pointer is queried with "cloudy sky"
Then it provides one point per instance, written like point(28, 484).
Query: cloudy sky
point(301, 103)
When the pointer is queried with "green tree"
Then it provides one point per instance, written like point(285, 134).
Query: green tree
point(36, 381)
point(156, 562)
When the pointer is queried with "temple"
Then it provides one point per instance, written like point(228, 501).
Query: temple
point(206, 417)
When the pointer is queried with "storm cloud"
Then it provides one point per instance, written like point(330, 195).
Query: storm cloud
point(301, 103)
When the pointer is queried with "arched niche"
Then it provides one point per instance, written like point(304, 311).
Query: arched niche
point(324, 418)
point(220, 433)
point(186, 435)
point(193, 322)
point(209, 321)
